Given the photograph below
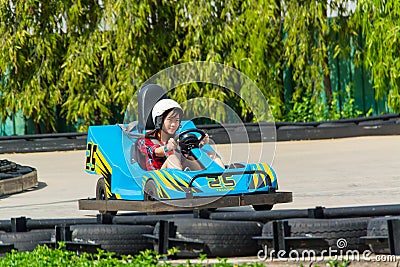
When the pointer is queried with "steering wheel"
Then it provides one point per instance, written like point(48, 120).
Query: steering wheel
point(187, 140)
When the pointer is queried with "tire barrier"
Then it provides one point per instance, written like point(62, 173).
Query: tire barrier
point(192, 236)
point(52, 223)
point(15, 178)
point(9, 169)
point(260, 216)
point(142, 219)
point(6, 165)
point(377, 236)
point(316, 213)
point(331, 234)
point(42, 143)
point(5, 248)
point(26, 241)
point(121, 239)
point(220, 238)
point(23, 224)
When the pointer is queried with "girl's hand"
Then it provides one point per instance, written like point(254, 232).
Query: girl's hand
point(171, 144)
point(205, 140)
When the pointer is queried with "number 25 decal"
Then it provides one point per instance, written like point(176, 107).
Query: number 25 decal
point(90, 159)
point(221, 181)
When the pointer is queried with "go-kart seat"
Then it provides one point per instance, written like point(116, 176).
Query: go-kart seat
point(148, 96)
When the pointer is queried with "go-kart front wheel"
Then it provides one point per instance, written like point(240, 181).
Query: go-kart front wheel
point(150, 191)
point(101, 194)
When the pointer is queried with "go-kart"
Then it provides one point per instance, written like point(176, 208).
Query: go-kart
point(125, 184)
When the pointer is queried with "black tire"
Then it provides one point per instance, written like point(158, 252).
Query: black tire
point(121, 239)
point(102, 195)
point(262, 207)
point(221, 238)
point(150, 191)
point(331, 230)
point(27, 241)
point(21, 170)
point(6, 165)
point(379, 227)
point(17, 171)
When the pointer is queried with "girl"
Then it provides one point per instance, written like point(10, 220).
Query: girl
point(159, 145)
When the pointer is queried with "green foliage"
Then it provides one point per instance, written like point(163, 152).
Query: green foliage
point(44, 256)
point(379, 24)
point(348, 108)
point(31, 53)
point(337, 263)
point(311, 108)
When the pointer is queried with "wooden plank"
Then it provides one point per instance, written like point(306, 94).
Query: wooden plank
point(186, 204)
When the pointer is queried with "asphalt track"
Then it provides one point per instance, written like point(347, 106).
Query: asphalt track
point(331, 173)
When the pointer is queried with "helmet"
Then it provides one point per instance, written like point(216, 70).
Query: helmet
point(160, 108)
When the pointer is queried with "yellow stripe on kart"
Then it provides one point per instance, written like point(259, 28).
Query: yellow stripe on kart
point(269, 172)
point(174, 183)
point(102, 165)
point(183, 182)
point(264, 182)
point(164, 179)
point(161, 191)
point(255, 180)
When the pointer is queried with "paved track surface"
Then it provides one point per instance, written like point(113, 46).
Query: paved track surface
point(330, 173)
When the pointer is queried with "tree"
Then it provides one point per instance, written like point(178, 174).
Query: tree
point(379, 24)
point(87, 58)
point(31, 52)
point(112, 52)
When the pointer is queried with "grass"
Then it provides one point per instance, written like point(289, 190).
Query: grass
point(45, 256)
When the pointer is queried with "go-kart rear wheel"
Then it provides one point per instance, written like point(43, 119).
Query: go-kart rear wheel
point(101, 194)
point(150, 191)
point(262, 207)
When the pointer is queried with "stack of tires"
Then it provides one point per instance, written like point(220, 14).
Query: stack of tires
point(9, 169)
point(378, 234)
point(216, 238)
point(335, 235)
point(120, 239)
point(15, 178)
point(26, 241)
point(219, 238)
point(245, 238)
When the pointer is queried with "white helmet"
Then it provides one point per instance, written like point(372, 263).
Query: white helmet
point(161, 106)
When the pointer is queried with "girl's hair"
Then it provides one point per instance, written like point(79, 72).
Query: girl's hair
point(174, 112)
point(151, 133)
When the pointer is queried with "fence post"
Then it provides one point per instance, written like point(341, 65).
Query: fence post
point(394, 236)
point(280, 229)
point(19, 224)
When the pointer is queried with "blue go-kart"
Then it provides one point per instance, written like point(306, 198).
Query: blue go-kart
point(125, 185)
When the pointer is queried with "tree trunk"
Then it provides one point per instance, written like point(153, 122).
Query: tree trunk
point(97, 117)
point(278, 15)
point(37, 128)
point(327, 77)
point(327, 84)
